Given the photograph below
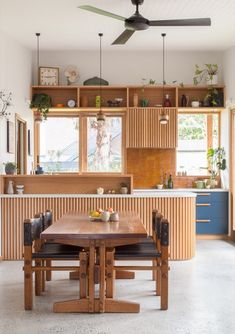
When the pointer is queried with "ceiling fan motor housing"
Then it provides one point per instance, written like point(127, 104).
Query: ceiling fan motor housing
point(137, 22)
point(137, 2)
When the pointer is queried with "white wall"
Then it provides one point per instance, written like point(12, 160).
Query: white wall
point(15, 77)
point(229, 81)
point(129, 67)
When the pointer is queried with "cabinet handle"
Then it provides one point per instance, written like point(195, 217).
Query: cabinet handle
point(203, 194)
point(203, 221)
point(203, 204)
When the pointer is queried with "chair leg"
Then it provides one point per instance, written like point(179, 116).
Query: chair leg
point(164, 279)
point(38, 279)
point(28, 280)
point(154, 263)
point(43, 276)
point(48, 273)
point(158, 279)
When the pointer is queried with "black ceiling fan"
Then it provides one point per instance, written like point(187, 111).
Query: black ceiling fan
point(138, 22)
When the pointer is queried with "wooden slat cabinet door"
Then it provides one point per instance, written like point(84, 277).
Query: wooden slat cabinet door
point(145, 131)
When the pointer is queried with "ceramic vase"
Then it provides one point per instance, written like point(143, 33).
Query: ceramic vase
point(135, 100)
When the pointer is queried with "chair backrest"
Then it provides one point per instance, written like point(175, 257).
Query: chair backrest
point(47, 219)
point(32, 229)
point(164, 232)
point(156, 223)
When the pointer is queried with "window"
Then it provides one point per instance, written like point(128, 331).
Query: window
point(196, 133)
point(59, 144)
point(104, 145)
point(101, 144)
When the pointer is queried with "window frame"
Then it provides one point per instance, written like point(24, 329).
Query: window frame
point(204, 112)
point(82, 161)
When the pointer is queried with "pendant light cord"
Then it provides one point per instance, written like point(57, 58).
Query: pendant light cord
point(38, 60)
point(100, 34)
point(163, 68)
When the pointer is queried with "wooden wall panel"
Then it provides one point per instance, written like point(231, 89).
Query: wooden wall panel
point(145, 131)
point(179, 211)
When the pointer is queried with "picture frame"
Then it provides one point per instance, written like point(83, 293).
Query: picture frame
point(10, 137)
point(48, 76)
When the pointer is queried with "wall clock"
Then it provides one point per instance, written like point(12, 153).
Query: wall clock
point(48, 76)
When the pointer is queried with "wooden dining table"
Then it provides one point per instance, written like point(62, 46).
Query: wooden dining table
point(99, 240)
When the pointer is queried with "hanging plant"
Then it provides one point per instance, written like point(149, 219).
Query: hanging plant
point(42, 102)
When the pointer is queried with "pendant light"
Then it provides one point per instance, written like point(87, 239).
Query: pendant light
point(164, 117)
point(100, 116)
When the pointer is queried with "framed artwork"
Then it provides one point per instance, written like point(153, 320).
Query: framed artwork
point(10, 137)
point(29, 143)
point(48, 76)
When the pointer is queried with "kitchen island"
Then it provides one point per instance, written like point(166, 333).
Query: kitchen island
point(177, 207)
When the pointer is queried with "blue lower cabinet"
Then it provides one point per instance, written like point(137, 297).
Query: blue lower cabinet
point(212, 213)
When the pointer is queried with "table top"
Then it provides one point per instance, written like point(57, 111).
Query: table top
point(76, 225)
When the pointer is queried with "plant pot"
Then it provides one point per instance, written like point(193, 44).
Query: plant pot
point(124, 190)
point(212, 183)
point(195, 104)
point(10, 170)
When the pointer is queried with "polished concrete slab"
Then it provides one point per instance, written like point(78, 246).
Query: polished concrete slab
point(201, 300)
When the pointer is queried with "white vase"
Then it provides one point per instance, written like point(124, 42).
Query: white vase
point(10, 188)
point(212, 79)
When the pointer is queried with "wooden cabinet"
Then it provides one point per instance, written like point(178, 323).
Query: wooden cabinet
point(145, 131)
point(212, 212)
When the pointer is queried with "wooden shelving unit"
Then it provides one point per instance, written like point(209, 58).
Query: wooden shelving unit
point(200, 92)
point(142, 123)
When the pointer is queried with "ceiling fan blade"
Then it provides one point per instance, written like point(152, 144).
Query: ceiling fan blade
point(183, 22)
point(123, 38)
point(102, 12)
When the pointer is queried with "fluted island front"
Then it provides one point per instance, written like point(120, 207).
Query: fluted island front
point(177, 207)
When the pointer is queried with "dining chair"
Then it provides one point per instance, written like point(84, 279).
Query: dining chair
point(155, 249)
point(37, 252)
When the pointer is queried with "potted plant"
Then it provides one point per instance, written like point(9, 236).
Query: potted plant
point(42, 102)
point(10, 168)
point(124, 188)
point(208, 73)
point(216, 163)
point(211, 98)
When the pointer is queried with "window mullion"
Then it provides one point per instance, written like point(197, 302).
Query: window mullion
point(83, 144)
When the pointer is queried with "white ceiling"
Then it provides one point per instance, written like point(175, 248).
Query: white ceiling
point(63, 26)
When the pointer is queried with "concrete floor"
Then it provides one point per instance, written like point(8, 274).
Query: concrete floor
point(201, 300)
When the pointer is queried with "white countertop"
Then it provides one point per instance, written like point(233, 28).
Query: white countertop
point(152, 190)
point(137, 194)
